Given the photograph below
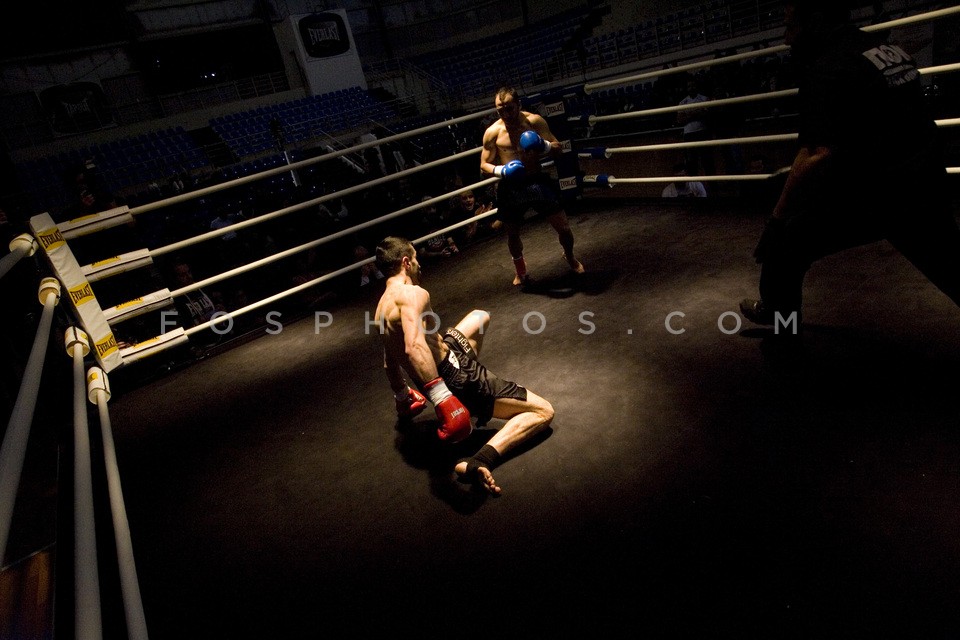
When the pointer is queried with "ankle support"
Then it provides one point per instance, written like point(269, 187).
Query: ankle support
point(487, 457)
point(520, 265)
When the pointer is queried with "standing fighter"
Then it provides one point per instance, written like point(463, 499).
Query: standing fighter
point(446, 368)
point(512, 148)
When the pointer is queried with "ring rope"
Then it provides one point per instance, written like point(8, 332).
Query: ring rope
point(605, 152)
point(603, 179)
point(86, 580)
point(325, 277)
point(943, 68)
point(98, 394)
point(920, 17)
point(17, 434)
point(177, 336)
point(753, 97)
point(328, 238)
point(308, 203)
point(183, 197)
point(590, 87)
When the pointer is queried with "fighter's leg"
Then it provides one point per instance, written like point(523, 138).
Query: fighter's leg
point(825, 229)
point(515, 246)
point(525, 418)
point(561, 225)
point(473, 327)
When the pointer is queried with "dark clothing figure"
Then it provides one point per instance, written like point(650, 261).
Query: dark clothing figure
point(863, 122)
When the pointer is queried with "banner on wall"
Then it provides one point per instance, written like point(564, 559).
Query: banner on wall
point(327, 52)
point(553, 108)
point(323, 35)
point(75, 107)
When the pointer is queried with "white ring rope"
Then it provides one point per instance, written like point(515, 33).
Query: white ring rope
point(86, 579)
point(784, 93)
point(129, 585)
point(18, 428)
point(306, 204)
point(920, 17)
point(328, 238)
point(753, 97)
point(325, 277)
point(943, 68)
point(598, 152)
point(606, 152)
point(603, 179)
point(589, 88)
point(12, 258)
point(183, 197)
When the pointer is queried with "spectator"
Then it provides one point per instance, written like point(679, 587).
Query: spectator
point(699, 160)
point(464, 207)
point(90, 193)
point(684, 188)
point(368, 272)
point(440, 245)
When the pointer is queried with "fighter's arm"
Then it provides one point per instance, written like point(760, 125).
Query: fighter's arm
point(539, 124)
point(394, 372)
point(414, 305)
point(489, 155)
point(805, 172)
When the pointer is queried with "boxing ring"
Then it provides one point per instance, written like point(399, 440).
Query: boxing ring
point(97, 355)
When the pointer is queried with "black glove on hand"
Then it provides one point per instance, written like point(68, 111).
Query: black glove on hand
point(768, 238)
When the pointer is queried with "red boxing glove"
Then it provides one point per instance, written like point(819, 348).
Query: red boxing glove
point(411, 405)
point(454, 418)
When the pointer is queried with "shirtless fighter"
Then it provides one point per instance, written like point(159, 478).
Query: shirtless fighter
point(512, 148)
point(446, 369)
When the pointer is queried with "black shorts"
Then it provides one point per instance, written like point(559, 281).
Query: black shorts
point(537, 191)
point(470, 381)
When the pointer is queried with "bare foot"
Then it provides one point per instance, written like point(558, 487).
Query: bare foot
point(575, 264)
point(484, 477)
point(519, 280)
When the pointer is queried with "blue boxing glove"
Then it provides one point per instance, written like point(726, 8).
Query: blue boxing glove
point(531, 141)
point(513, 169)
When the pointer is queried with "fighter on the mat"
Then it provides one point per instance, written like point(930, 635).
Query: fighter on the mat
point(444, 366)
point(512, 149)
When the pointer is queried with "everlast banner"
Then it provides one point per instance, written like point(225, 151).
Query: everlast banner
point(326, 51)
point(324, 35)
point(75, 107)
point(552, 106)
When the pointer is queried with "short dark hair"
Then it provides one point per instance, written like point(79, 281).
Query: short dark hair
point(390, 253)
point(507, 90)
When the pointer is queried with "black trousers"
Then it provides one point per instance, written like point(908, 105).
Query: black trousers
point(910, 210)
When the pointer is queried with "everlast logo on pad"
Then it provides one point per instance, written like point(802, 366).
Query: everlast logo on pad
point(555, 109)
point(81, 294)
point(100, 263)
point(107, 345)
point(50, 239)
point(324, 35)
point(568, 183)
